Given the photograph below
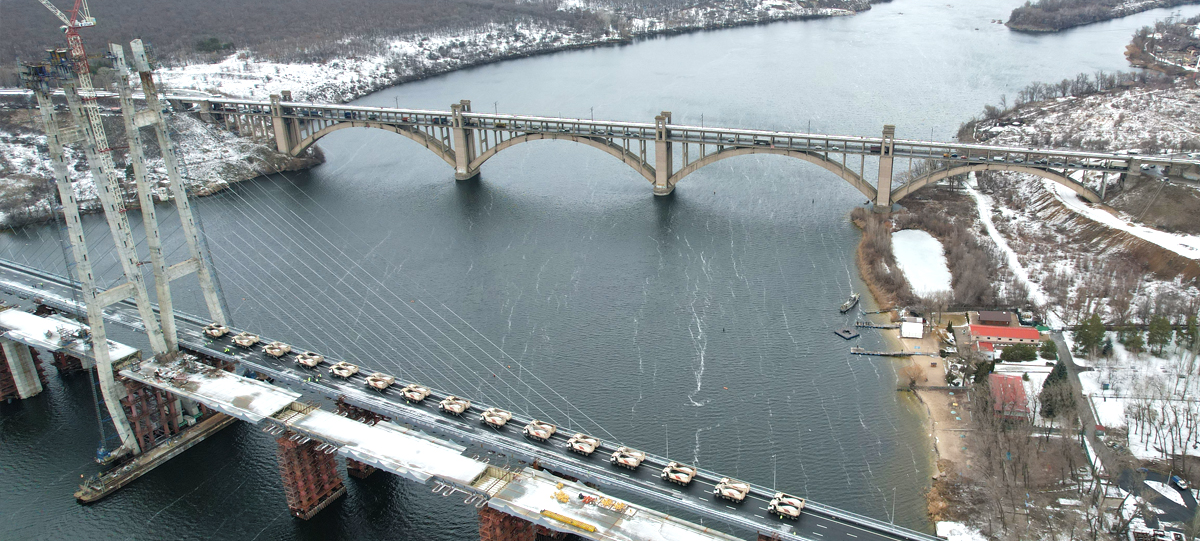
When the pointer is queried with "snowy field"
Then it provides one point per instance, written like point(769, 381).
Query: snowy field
point(1148, 399)
point(923, 261)
point(1184, 245)
point(957, 531)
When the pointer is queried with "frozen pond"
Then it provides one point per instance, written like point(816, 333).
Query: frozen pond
point(922, 260)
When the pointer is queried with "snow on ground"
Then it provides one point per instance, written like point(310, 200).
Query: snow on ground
point(957, 531)
point(1167, 491)
point(1184, 245)
point(398, 59)
point(922, 259)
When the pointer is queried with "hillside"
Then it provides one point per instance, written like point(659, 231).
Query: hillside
point(1055, 15)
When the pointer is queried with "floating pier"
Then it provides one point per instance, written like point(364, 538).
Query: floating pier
point(848, 334)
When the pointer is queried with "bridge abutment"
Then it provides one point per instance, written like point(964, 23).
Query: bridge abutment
point(663, 155)
point(310, 477)
point(883, 197)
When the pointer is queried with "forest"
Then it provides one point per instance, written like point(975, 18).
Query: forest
point(1055, 15)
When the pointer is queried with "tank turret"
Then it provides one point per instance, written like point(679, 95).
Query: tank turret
point(496, 417)
point(215, 330)
point(678, 473)
point(309, 359)
point(731, 489)
point(245, 339)
point(627, 458)
point(539, 430)
point(786, 506)
point(454, 405)
point(277, 349)
point(343, 369)
point(583, 444)
point(380, 381)
point(414, 393)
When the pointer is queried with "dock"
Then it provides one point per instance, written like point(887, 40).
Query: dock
point(873, 325)
point(99, 487)
point(860, 351)
point(848, 334)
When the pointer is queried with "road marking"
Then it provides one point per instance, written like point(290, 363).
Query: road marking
point(851, 535)
point(821, 526)
point(820, 534)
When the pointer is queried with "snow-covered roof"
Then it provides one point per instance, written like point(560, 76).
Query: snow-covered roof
point(534, 496)
point(47, 333)
point(247, 399)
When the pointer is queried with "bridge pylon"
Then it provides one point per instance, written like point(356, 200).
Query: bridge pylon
point(464, 141)
point(663, 156)
point(883, 196)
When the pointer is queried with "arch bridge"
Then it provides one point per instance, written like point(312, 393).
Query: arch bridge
point(665, 153)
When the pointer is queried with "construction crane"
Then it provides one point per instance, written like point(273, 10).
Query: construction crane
point(80, 17)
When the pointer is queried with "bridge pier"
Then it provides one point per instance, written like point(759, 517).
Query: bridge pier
point(663, 156)
point(883, 197)
point(353, 467)
point(310, 478)
point(20, 376)
point(67, 365)
point(153, 414)
point(464, 141)
point(499, 526)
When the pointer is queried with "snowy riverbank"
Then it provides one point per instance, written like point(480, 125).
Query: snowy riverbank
point(406, 58)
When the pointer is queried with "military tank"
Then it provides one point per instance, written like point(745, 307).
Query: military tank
point(454, 405)
point(496, 417)
point(539, 430)
point(627, 458)
point(309, 359)
point(215, 330)
point(343, 369)
point(245, 339)
point(277, 349)
point(414, 393)
point(380, 381)
point(732, 490)
point(678, 473)
point(786, 506)
point(583, 444)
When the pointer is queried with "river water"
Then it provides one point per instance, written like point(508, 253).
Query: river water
point(697, 326)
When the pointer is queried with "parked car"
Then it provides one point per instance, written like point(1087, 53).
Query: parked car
point(1179, 482)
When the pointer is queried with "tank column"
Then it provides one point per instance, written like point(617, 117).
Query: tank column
point(883, 200)
point(663, 157)
point(20, 377)
point(497, 526)
point(310, 478)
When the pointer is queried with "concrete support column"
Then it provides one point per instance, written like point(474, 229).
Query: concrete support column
point(279, 125)
point(464, 143)
point(23, 370)
point(883, 200)
point(310, 477)
point(497, 526)
point(293, 125)
point(663, 155)
point(206, 111)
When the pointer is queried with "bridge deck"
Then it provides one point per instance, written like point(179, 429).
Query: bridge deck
point(57, 334)
point(643, 483)
point(247, 399)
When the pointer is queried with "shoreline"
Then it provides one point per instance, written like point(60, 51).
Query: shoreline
point(1116, 12)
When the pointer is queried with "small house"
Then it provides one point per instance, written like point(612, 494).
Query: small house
point(1008, 397)
point(994, 317)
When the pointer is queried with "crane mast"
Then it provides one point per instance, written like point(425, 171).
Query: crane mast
point(80, 17)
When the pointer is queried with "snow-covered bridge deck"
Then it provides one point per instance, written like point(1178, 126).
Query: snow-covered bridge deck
point(571, 507)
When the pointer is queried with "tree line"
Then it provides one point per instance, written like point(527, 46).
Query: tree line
point(1055, 15)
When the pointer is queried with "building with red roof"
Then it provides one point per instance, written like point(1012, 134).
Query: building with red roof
point(1008, 397)
point(1004, 336)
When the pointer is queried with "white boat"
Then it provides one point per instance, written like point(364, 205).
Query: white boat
point(850, 303)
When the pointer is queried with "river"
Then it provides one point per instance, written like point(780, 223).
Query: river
point(698, 325)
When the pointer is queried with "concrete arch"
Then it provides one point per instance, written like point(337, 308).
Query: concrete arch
point(921, 182)
point(836, 168)
point(426, 141)
point(620, 153)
